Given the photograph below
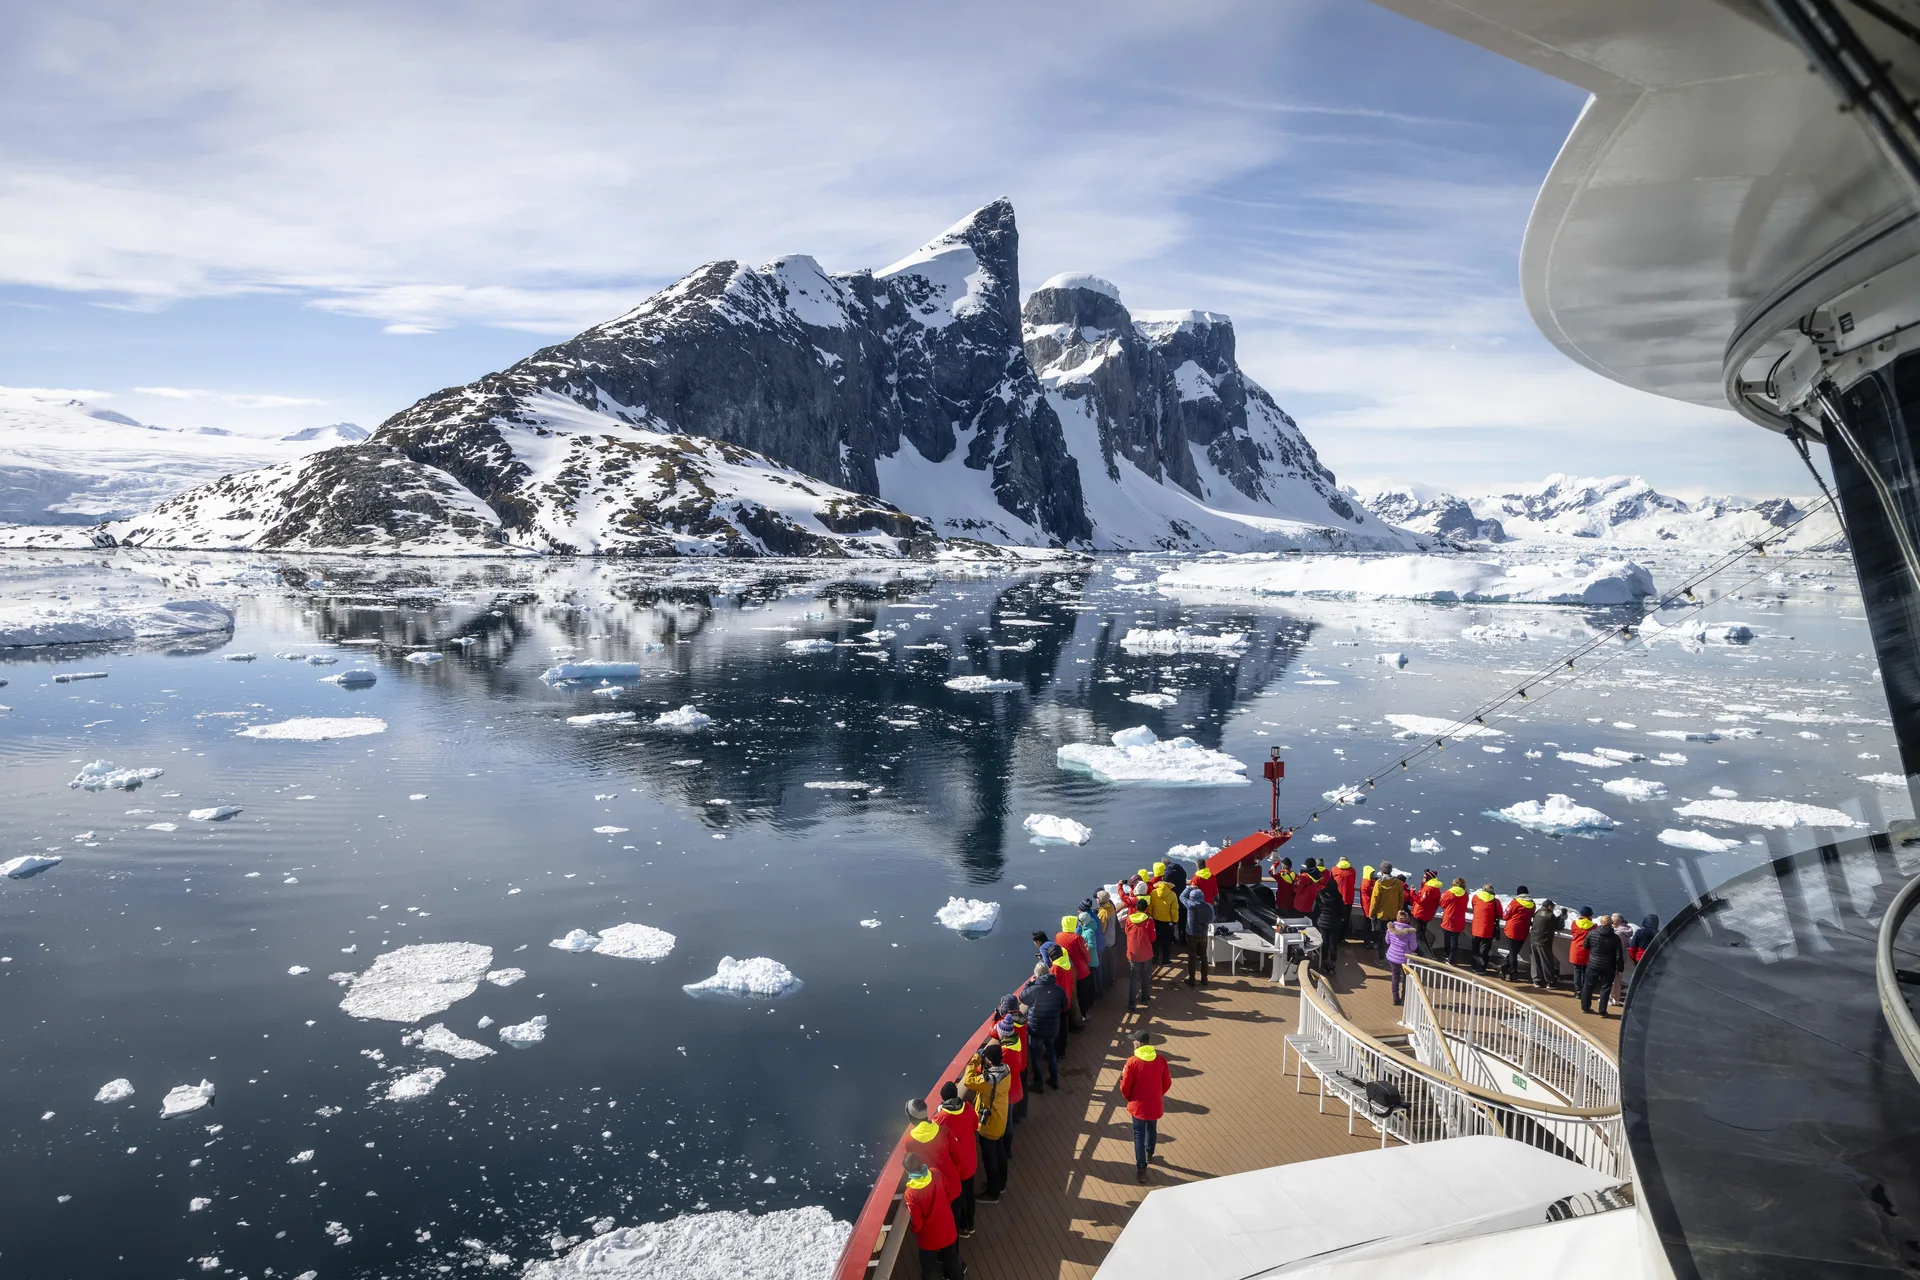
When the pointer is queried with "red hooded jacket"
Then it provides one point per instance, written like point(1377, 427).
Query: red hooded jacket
point(1453, 909)
point(959, 1122)
point(929, 1141)
point(930, 1211)
point(1139, 927)
point(1076, 948)
point(1519, 918)
point(1577, 951)
point(1343, 880)
point(1305, 889)
point(1144, 1082)
point(1487, 914)
point(1425, 901)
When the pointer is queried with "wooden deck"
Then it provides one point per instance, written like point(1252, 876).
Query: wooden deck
point(1072, 1186)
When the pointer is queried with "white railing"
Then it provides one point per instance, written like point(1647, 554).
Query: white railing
point(1534, 1043)
point(1437, 1102)
point(1888, 976)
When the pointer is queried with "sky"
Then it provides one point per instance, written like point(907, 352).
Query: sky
point(265, 217)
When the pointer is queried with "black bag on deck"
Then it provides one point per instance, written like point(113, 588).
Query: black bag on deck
point(1383, 1099)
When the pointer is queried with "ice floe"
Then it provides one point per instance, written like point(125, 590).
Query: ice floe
point(1767, 813)
point(353, 678)
point(969, 917)
point(791, 1244)
point(684, 718)
point(840, 784)
point(240, 657)
point(415, 1085)
point(1434, 726)
point(1698, 841)
point(1424, 844)
point(1353, 794)
point(1159, 701)
point(635, 942)
point(407, 984)
point(982, 684)
point(1892, 781)
point(115, 1091)
point(1138, 755)
point(1583, 580)
point(609, 830)
point(1558, 814)
point(1635, 788)
point(591, 671)
point(506, 977)
point(183, 1099)
point(756, 976)
point(1046, 828)
point(1182, 640)
point(522, 1034)
point(808, 646)
point(438, 1038)
point(316, 728)
point(218, 813)
point(102, 776)
point(576, 940)
point(28, 623)
point(1590, 761)
point(28, 864)
point(604, 717)
point(425, 659)
point(1684, 735)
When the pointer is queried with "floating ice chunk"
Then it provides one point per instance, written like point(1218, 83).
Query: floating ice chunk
point(321, 659)
point(1581, 581)
point(604, 717)
point(808, 646)
point(438, 1039)
point(685, 718)
point(591, 671)
point(869, 924)
point(240, 657)
point(758, 977)
point(840, 784)
point(1160, 701)
point(115, 1091)
point(982, 684)
point(1138, 755)
point(172, 826)
point(1723, 793)
point(787, 1243)
point(1493, 633)
point(102, 776)
point(1045, 828)
point(1891, 781)
point(576, 940)
point(1697, 840)
point(1434, 727)
point(1424, 844)
point(506, 977)
point(608, 831)
point(635, 942)
point(297, 969)
point(1672, 758)
point(316, 728)
point(1558, 814)
point(28, 864)
point(1182, 640)
point(1394, 660)
point(302, 1157)
point(198, 1203)
point(1737, 633)
point(1324, 838)
point(1767, 813)
point(68, 677)
point(1345, 795)
point(425, 659)
point(969, 917)
point(522, 1034)
point(1635, 788)
point(1591, 761)
point(1686, 735)
point(411, 1087)
point(1619, 756)
point(354, 678)
point(218, 813)
point(409, 983)
point(185, 1098)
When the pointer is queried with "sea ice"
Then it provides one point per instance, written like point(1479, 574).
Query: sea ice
point(609, 830)
point(1424, 844)
point(1324, 838)
point(604, 717)
point(1635, 788)
point(115, 1091)
point(982, 684)
point(506, 977)
point(1558, 814)
point(197, 1203)
point(102, 776)
point(185, 1098)
point(757, 976)
point(1045, 828)
point(591, 671)
point(969, 917)
point(174, 826)
point(316, 728)
point(1684, 735)
point(1182, 640)
point(791, 1244)
point(808, 646)
point(1892, 781)
point(40, 622)
point(415, 1085)
point(1434, 726)
point(425, 659)
point(522, 1034)
point(576, 940)
point(1159, 701)
point(1583, 580)
point(1394, 660)
point(1697, 840)
point(1618, 756)
point(840, 784)
point(353, 678)
point(869, 924)
point(240, 657)
point(1138, 755)
point(635, 942)
point(685, 718)
point(1353, 794)
point(409, 983)
point(218, 813)
point(1767, 813)
point(297, 969)
point(28, 864)
point(1591, 761)
point(321, 659)
point(439, 1039)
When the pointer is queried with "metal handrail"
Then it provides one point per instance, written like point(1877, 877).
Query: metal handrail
point(1438, 1106)
point(1886, 976)
point(1424, 1030)
point(1519, 1033)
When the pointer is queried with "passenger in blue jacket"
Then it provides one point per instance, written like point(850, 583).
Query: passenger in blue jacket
point(1197, 912)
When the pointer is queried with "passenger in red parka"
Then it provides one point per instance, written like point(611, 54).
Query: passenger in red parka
point(930, 1218)
point(959, 1122)
point(1144, 1083)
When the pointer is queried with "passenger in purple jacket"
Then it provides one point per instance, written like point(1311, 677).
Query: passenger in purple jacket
point(1402, 939)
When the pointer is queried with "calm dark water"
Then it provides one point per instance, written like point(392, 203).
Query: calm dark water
point(155, 955)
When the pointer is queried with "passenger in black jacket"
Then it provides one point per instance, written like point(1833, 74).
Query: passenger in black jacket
point(1542, 965)
point(1330, 918)
point(1046, 1005)
point(1605, 958)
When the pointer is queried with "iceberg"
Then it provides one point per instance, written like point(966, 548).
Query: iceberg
point(115, 1091)
point(506, 977)
point(218, 813)
point(969, 917)
point(576, 940)
point(1345, 795)
point(1583, 580)
point(757, 977)
point(685, 718)
point(982, 684)
point(522, 1034)
point(425, 659)
point(183, 1099)
point(102, 776)
point(316, 728)
point(1558, 815)
point(28, 864)
point(354, 678)
point(808, 646)
point(1635, 788)
point(1182, 640)
point(438, 1038)
point(407, 984)
point(591, 671)
point(1699, 841)
point(1138, 755)
point(1045, 828)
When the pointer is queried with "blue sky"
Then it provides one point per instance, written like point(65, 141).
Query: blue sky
point(266, 217)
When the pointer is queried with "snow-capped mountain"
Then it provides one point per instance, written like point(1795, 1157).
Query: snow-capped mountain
point(783, 410)
point(331, 434)
point(67, 462)
point(1618, 510)
point(1177, 448)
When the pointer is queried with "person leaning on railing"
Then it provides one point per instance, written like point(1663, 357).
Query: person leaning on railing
point(1389, 896)
point(1543, 967)
point(1400, 939)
